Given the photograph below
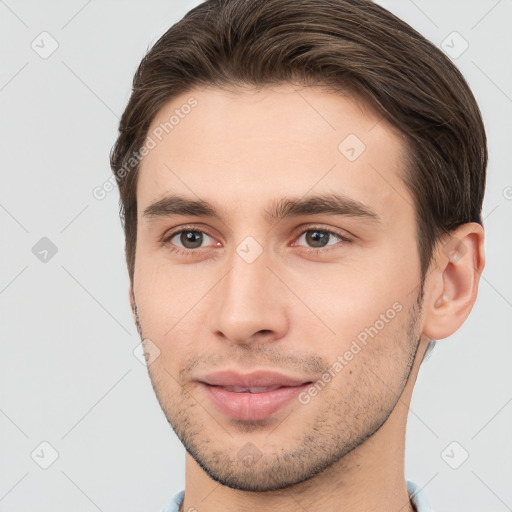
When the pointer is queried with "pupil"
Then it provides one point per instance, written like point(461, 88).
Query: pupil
point(317, 236)
point(193, 237)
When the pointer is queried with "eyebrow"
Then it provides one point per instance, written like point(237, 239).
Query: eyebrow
point(327, 204)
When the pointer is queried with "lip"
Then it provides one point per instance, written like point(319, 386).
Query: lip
point(262, 378)
point(251, 406)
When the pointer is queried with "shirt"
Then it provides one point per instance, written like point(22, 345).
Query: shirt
point(418, 501)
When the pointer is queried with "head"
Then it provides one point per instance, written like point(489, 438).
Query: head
point(295, 179)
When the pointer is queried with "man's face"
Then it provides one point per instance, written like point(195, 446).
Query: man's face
point(326, 296)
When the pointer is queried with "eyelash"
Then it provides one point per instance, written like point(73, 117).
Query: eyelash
point(187, 252)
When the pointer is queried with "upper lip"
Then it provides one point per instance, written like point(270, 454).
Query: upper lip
point(263, 378)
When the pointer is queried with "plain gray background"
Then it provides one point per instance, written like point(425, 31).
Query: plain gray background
point(69, 377)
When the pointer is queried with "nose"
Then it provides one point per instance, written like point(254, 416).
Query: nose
point(249, 303)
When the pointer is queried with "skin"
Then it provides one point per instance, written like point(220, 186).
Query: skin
point(293, 309)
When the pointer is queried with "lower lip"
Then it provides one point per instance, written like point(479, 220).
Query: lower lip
point(252, 406)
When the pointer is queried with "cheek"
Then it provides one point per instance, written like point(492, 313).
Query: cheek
point(173, 303)
point(349, 298)
point(166, 295)
point(368, 314)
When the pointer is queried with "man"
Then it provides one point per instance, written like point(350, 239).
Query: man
point(301, 186)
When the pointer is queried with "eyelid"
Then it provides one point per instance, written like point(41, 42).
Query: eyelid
point(312, 227)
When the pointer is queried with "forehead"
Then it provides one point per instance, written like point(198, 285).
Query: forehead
point(239, 149)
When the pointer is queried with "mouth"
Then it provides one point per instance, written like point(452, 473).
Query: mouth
point(242, 389)
point(251, 397)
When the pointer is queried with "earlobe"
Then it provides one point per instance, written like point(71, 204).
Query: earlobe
point(453, 287)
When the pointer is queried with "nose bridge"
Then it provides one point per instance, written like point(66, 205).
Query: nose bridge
point(249, 300)
point(249, 272)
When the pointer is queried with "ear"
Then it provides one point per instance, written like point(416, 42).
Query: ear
point(459, 259)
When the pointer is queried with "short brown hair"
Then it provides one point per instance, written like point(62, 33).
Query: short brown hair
point(354, 46)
